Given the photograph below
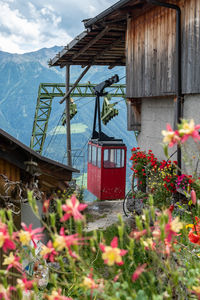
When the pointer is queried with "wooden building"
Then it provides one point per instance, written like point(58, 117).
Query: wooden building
point(159, 43)
point(22, 168)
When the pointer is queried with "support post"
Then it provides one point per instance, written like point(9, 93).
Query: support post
point(68, 131)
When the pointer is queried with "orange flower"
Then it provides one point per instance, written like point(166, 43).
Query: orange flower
point(112, 254)
point(194, 234)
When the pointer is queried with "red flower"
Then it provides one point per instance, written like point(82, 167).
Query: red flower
point(73, 208)
point(138, 272)
point(194, 234)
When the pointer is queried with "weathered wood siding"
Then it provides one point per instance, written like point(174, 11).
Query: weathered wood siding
point(11, 171)
point(191, 46)
point(150, 49)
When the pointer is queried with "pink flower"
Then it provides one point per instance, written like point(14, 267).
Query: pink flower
point(138, 234)
point(187, 129)
point(13, 262)
point(72, 208)
point(138, 272)
point(193, 197)
point(170, 137)
point(5, 293)
point(66, 241)
point(112, 254)
point(25, 284)
point(173, 227)
point(29, 234)
point(48, 252)
point(6, 241)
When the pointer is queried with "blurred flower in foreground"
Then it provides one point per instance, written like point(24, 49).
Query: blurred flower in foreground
point(138, 272)
point(56, 295)
point(72, 208)
point(29, 234)
point(6, 241)
point(194, 234)
point(170, 137)
point(24, 284)
point(13, 262)
point(48, 251)
point(5, 293)
point(112, 254)
point(187, 129)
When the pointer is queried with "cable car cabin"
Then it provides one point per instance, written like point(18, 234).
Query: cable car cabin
point(107, 169)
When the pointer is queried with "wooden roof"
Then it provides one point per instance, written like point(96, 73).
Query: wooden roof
point(103, 41)
point(17, 153)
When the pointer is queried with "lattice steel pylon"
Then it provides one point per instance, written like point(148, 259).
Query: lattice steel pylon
point(47, 92)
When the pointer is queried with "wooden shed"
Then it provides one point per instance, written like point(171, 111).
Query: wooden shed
point(159, 43)
point(22, 168)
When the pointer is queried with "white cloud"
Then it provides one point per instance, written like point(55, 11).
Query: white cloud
point(21, 34)
point(31, 25)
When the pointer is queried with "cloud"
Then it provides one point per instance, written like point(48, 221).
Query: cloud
point(40, 28)
point(31, 25)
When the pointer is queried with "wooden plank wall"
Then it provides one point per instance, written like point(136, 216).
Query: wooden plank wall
point(11, 171)
point(191, 46)
point(13, 174)
point(150, 49)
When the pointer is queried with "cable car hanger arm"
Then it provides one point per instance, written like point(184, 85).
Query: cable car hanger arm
point(99, 91)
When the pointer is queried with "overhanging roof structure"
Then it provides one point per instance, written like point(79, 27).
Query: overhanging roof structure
point(103, 41)
point(18, 149)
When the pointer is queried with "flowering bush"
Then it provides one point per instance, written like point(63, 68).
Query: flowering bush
point(147, 262)
point(158, 259)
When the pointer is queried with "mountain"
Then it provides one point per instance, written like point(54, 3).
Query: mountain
point(21, 75)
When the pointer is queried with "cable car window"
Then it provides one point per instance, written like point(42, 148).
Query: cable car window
point(94, 155)
point(99, 157)
point(89, 153)
point(120, 158)
point(113, 158)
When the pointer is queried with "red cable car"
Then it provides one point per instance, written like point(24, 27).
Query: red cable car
point(106, 174)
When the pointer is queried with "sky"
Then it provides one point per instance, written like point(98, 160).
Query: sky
point(27, 26)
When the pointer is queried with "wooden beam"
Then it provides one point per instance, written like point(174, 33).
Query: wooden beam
point(93, 41)
point(75, 84)
point(116, 63)
point(107, 49)
point(68, 130)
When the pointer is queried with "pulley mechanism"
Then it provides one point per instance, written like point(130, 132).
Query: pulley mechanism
point(99, 92)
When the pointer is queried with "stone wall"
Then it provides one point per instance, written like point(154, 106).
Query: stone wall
point(155, 114)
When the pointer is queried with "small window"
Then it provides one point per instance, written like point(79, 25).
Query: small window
point(113, 158)
point(89, 153)
point(99, 157)
point(94, 155)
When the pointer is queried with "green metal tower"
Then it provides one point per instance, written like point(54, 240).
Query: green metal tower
point(48, 91)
